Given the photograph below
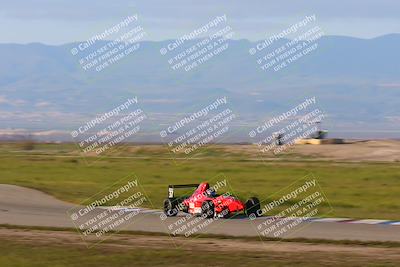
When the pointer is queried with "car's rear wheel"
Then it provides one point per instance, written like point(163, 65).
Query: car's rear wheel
point(253, 207)
point(207, 209)
point(170, 207)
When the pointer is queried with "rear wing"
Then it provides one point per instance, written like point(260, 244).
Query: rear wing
point(171, 188)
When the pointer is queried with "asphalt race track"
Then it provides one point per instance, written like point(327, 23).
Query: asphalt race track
point(23, 206)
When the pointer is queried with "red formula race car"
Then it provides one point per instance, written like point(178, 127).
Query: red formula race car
point(207, 203)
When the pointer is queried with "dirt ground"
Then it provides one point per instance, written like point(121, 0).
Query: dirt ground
point(124, 241)
point(351, 150)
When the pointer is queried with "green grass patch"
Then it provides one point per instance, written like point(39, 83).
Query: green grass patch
point(355, 190)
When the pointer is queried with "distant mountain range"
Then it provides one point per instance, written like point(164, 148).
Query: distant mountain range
point(356, 82)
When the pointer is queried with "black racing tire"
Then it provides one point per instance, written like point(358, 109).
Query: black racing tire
point(170, 207)
point(207, 209)
point(225, 213)
point(253, 207)
point(185, 209)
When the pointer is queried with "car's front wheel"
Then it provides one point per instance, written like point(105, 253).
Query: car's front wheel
point(253, 208)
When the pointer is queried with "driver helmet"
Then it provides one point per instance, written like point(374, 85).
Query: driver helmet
point(211, 192)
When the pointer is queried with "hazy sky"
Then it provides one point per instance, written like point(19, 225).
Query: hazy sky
point(63, 21)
